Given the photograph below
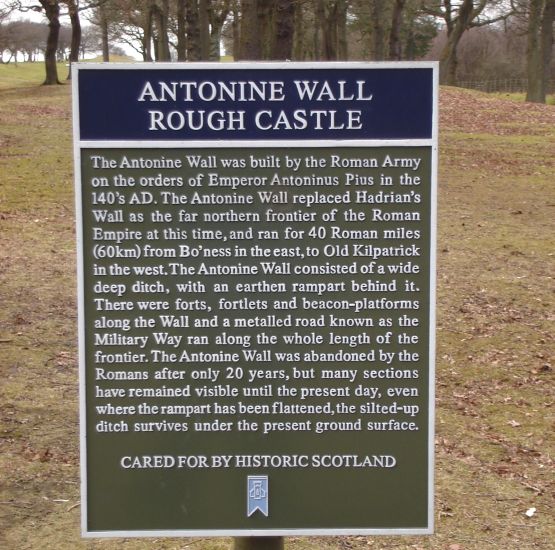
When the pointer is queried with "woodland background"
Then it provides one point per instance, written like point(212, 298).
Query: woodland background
point(475, 40)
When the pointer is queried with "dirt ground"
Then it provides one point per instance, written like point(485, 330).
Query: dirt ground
point(495, 335)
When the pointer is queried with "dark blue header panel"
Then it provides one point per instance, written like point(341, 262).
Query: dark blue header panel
point(224, 103)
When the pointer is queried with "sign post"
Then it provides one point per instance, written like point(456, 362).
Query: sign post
point(256, 298)
point(258, 543)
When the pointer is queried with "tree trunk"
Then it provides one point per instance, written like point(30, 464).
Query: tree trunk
point(547, 37)
point(378, 33)
point(320, 13)
point(160, 36)
point(394, 33)
point(250, 46)
point(535, 92)
point(299, 34)
point(539, 47)
point(236, 27)
point(163, 29)
point(52, 12)
point(326, 16)
point(317, 32)
point(204, 9)
point(75, 35)
point(181, 34)
point(104, 36)
point(342, 48)
point(193, 30)
point(410, 46)
point(265, 26)
point(282, 47)
point(147, 37)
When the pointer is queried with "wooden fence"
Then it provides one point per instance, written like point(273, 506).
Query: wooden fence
point(502, 85)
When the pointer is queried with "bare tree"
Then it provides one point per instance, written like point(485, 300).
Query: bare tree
point(131, 22)
point(104, 14)
point(90, 41)
point(459, 17)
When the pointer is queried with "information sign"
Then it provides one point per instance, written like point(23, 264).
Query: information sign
point(256, 297)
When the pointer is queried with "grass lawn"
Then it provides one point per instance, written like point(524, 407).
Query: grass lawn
point(17, 75)
point(24, 75)
point(521, 96)
point(495, 338)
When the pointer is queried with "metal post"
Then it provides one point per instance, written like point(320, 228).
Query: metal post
point(258, 543)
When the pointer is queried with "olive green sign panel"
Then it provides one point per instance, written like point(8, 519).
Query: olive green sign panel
point(256, 339)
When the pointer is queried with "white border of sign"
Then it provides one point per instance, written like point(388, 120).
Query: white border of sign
point(78, 144)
